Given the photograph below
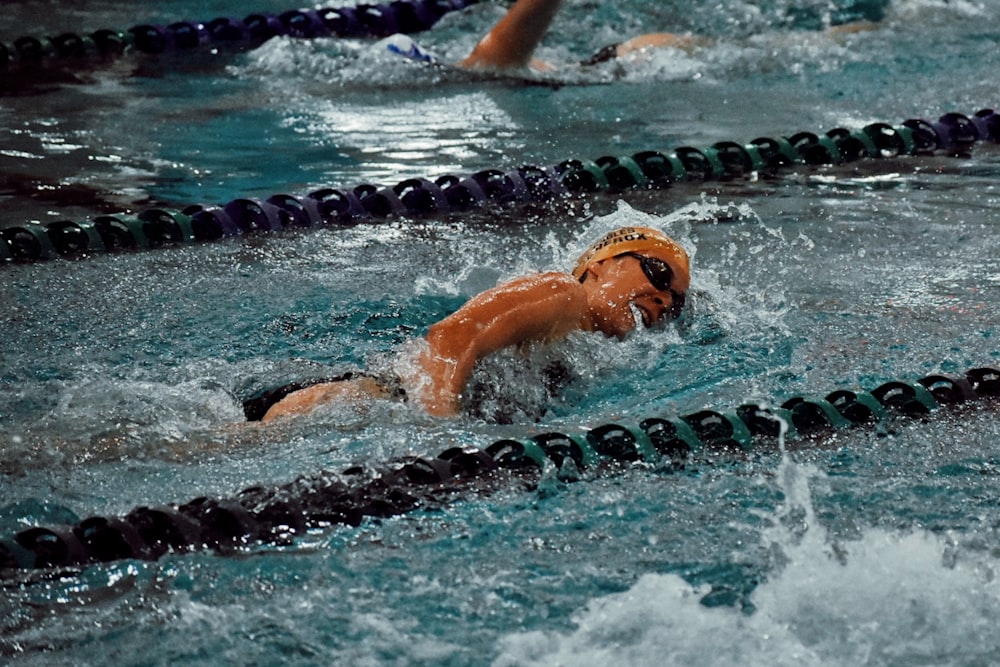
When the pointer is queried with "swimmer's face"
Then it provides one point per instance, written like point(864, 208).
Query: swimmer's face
point(661, 277)
point(630, 284)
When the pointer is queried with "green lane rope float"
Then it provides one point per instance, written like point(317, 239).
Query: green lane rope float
point(365, 20)
point(262, 515)
point(952, 133)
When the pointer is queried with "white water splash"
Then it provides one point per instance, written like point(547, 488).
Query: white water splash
point(888, 598)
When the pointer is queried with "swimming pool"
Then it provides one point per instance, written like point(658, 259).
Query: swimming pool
point(121, 372)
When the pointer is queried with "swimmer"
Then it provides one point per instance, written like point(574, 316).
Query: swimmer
point(630, 271)
point(511, 43)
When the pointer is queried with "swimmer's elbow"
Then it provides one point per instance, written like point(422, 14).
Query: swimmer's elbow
point(489, 54)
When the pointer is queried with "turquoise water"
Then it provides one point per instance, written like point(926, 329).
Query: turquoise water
point(120, 374)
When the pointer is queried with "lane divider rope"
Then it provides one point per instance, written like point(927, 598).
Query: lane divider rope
point(952, 134)
point(364, 20)
point(261, 514)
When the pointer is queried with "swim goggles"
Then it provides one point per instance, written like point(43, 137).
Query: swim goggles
point(660, 276)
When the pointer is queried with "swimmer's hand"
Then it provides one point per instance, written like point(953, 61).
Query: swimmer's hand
point(438, 401)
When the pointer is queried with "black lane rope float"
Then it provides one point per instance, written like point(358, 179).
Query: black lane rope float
point(262, 515)
point(365, 20)
point(952, 133)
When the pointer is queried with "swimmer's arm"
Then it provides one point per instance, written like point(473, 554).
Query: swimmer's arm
point(658, 40)
point(512, 41)
point(537, 308)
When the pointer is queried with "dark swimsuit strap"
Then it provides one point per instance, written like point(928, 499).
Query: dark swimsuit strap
point(257, 405)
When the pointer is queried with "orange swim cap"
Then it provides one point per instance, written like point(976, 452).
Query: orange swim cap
point(644, 241)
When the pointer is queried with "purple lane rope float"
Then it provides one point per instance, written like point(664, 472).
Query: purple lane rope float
point(365, 20)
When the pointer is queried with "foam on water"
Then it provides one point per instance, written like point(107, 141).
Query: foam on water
point(886, 598)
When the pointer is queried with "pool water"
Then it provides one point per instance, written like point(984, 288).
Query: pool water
point(121, 374)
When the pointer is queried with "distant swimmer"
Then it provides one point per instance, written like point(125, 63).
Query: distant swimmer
point(630, 273)
point(511, 43)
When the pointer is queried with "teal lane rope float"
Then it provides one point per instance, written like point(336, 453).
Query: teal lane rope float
point(276, 515)
point(952, 133)
point(365, 20)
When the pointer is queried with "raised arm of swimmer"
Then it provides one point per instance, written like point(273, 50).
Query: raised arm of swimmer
point(512, 41)
point(541, 308)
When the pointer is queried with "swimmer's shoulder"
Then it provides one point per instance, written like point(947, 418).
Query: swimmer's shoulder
point(546, 283)
point(538, 297)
